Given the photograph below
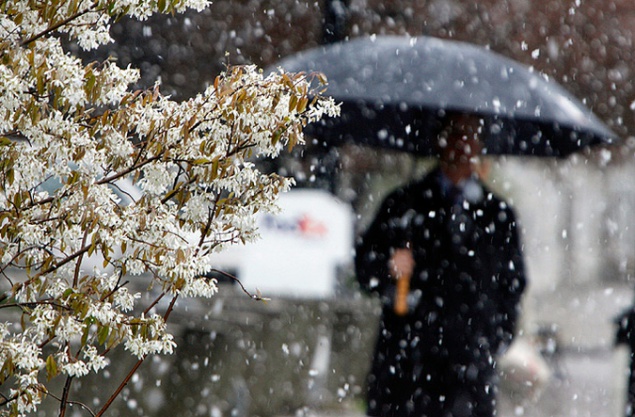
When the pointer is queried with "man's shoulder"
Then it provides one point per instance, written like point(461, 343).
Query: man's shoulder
point(415, 190)
point(430, 181)
point(499, 206)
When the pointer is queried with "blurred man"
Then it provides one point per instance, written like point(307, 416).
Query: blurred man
point(453, 247)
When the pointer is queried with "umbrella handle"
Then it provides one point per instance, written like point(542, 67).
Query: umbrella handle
point(401, 295)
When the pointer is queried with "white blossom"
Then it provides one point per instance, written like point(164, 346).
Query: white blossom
point(25, 354)
point(156, 180)
point(201, 287)
point(57, 288)
point(69, 329)
point(103, 312)
point(124, 300)
point(94, 360)
point(159, 341)
point(76, 368)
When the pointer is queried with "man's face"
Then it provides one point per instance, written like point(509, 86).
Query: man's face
point(462, 146)
point(461, 150)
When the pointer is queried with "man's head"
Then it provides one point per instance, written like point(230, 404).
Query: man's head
point(460, 146)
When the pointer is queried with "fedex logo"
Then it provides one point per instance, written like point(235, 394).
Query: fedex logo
point(303, 225)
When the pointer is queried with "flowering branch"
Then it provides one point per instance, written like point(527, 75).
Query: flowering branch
point(105, 191)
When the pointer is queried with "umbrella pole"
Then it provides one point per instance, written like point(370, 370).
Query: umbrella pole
point(401, 295)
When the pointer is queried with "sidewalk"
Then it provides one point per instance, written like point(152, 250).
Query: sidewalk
point(589, 373)
point(591, 386)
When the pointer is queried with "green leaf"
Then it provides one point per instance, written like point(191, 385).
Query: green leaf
point(85, 335)
point(51, 367)
point(276, 136)
point(102, 335)
point(113, 340)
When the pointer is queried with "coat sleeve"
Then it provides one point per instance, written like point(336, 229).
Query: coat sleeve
point(512, 281)
point(374, 247)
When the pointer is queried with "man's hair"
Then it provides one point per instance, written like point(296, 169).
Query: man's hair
point(453, 123)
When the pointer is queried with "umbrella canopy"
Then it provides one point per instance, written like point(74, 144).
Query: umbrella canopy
point(394, 91)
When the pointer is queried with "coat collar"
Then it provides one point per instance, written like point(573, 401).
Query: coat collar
point(472, 190)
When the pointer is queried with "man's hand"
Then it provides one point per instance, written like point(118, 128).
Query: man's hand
point(402, 263)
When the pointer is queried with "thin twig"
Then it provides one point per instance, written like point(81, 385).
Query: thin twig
point(35, 303)
point(78, 264)
point(114, 290)
point(53, 268)
point(56, 26)
point(155, 302)
point(170, 307)
point(256, 297)
point(6, 400)
point(84, 406)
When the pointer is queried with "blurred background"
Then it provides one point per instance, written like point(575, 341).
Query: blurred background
point(306, 353)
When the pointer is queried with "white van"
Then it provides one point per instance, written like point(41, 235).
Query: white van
point(300, 250)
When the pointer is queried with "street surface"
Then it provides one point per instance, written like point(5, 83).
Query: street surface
point(588, 373)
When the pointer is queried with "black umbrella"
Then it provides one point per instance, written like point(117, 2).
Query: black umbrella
point(394, 91)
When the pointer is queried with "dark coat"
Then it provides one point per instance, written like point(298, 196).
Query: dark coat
point(626, 335)
point(466, 287)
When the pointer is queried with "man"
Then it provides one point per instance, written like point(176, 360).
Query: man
point(459, 245)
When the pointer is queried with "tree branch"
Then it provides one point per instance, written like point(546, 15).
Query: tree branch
point(78, 264)
point(65, 393)
point(56, 26)
point(30, 304)
point(54, 267)
point(170, 308)
point(120, 388)
point(136, 366)
point(155, 302)
point(256, 297)
point(84, 406)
